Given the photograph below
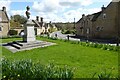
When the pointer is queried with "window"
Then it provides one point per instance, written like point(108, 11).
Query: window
point(104, 15)
point(99, 28)
point(0, 19)
point(87, 22)
point(88, 31)
point(0, 28)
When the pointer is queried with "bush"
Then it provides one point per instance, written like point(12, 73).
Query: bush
point(116, 48)
point(67, 32)
point(99, 46)
point(13, 32)
point(27, 70)
point(110, 47)
point(104, 47)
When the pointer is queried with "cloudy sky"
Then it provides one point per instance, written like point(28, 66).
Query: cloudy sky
point(54, 10)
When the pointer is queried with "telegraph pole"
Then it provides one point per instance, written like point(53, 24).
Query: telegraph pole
point(118, 24)
point(74, 23)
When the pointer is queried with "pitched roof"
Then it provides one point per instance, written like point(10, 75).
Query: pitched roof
point(96, 15)
point(4, 16)
point(36, 23)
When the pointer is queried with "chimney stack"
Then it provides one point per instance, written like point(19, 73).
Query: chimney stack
point(103, 8)
point(83, 15)
point(41, 19)
point(3, 8)
point(37, 18)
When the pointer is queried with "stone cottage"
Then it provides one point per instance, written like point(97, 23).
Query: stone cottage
point(106, 25)
point(4, 22)
point(102, 25)
point(42, 27)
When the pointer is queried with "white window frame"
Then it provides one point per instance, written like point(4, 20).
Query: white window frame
point(104, 15)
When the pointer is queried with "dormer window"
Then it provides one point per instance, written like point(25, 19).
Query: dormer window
point(104, 15)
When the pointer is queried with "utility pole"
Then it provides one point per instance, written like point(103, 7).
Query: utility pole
point(118, 24)
point(74, 23)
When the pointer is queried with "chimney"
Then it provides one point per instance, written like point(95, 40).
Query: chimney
point(37, 18)
point(3, 8)
point(83, 15)
point(103, 8)
point(41, 19)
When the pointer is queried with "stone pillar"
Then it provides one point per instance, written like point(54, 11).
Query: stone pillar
point(29, 32)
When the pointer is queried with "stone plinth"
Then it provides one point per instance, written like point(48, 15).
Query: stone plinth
point(29, 32)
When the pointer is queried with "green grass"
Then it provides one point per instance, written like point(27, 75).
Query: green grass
point(85, 60)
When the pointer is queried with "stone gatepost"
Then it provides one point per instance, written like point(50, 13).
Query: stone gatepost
point(29, 32)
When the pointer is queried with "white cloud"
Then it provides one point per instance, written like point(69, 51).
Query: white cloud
point(75, 3)
point(20, 12)
point(47, 6)
point(5, 4)
point(60, 10)
point(51, 9)
point(86, 2)
point(77, 14)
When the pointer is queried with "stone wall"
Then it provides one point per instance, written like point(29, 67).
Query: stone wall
point(5, 29)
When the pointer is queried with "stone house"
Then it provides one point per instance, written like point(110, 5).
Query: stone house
point(41, 27)
point(102, 25)
point(84, 26)
point(4, 22)
point(106, 25)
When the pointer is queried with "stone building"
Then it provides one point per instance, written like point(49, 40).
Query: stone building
point(4, 22)
point(102, 25)
point(42, 27)
point(106, 25)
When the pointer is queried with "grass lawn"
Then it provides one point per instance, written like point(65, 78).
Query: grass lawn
point(85, 60)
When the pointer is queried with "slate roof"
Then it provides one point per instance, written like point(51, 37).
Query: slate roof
point(93, 17)
point(96, 15)
point(4, 16)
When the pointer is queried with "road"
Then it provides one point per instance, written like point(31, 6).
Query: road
point(62, 36)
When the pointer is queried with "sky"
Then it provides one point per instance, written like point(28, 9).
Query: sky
point(54, 10)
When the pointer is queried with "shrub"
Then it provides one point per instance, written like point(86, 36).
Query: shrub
point(99, 46)
point(73, 42)
point(73, 31)
point(116, 48)
point(13, 32)
point(110, 47)
point(104, 47)
point(27, 70)
point(67, 32)
point(95, 45)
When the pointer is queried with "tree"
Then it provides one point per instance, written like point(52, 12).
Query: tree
point(17, 21)
point(19, 18)
point(14, 24)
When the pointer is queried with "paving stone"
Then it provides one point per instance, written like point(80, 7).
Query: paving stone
point(26, 46)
